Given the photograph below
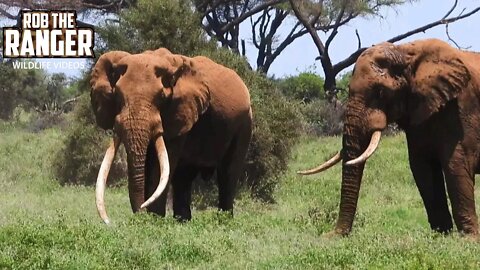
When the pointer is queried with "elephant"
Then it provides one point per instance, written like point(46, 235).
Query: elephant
point(177, 117)
point(432, 92)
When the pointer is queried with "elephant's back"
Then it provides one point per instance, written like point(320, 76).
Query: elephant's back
point(229, 95)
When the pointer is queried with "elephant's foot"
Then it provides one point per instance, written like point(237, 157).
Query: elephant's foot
point(181, 210)
point(475, 238)
point(467, 225)
point(182, 219)
point(336, 233)
point(445, 228)
point(469, 232)
point(442, 231)
point(227, 214)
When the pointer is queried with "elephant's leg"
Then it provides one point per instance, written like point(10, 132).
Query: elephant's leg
point(182, 192)
point(152, 177)
point(460, 184)
point(430, 182)
point(227, 185)
point(231, 168)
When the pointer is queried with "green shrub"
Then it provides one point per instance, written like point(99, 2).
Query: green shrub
point(342, 84)
point(305, 86)
point(82, 150)
point(322, 117)
point(44, 120)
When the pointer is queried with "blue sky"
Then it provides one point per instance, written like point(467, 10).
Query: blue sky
point(300, 55)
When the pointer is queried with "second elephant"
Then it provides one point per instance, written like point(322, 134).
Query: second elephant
point(177, 117)
point(432, 91)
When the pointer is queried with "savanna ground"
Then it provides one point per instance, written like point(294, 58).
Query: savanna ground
point(45, 225)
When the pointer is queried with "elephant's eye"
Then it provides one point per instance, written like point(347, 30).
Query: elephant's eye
point(380, 92)
point(396, 71)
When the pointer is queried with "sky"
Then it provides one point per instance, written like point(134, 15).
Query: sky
point(300, 55)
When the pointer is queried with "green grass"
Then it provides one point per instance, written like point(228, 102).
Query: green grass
point(45, 225)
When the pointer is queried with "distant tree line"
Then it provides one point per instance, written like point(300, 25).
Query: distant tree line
point(33, 90)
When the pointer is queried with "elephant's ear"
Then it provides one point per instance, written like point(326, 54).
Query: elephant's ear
point(104, 76)
point(189, 97)
point(437, 78)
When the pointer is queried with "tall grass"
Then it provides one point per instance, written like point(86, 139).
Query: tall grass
point(46, 226)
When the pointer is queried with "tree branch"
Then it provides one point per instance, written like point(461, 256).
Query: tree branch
point(433, 24)
point(249, 13)
point(308, 26)
point(335, 29)
point(451, 10)
point(358, 39)
point(453, 41)
point(4, 13)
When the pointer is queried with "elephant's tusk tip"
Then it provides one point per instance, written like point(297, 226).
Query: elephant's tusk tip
point(350, 162)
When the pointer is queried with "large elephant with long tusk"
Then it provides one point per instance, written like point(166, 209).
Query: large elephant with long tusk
point(177, 117)
point(432, 91)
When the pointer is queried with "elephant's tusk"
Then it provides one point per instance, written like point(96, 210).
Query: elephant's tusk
point(332, 161)
point(369, 151)
point(164, 172)
point(102, 178)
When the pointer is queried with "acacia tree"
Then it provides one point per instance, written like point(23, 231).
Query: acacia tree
point(327, 16)
point(268, 18)
point(303, 11)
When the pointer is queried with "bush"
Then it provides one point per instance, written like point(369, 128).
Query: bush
point(44, 120)
point(323, 118)
point(342, 85)
point(306, 87)
point(81, 152)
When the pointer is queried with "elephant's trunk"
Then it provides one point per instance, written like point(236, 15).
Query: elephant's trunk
point(137, 125)
point(136, 143)
point(355, 141)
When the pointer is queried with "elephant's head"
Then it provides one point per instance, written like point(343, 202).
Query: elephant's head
point(406, 84)
point(144, 98)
